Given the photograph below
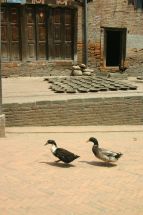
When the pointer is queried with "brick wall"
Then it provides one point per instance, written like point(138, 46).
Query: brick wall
point(44, 68)
point(91, 111)
point(116, 14)
point(111, 13)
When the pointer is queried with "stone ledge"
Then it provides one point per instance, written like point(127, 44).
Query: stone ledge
point(77, 112)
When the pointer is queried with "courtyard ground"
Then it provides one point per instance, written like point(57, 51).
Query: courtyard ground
point(33, 89)
point(31, 183)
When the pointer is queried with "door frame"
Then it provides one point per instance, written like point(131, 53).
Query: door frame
point(123, 32)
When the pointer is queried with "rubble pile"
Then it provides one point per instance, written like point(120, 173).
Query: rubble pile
point(79, 70)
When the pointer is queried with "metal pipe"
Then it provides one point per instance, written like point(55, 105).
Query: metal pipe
point(0, 72)
point(85, 34)
point(0, 89)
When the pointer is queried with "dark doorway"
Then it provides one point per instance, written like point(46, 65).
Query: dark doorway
point(115, 47)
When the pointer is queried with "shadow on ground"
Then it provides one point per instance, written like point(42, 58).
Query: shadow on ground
point(61, 165)
point(98, 163)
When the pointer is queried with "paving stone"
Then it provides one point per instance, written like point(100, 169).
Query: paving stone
point(87, 84)
point(71, 90)
point(83, 90)
point(31, 183)
point(59, 90)
point(92, 89)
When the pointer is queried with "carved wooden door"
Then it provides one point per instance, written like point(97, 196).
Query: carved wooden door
point(31, 34)
point(10, 33)
point(36, 32)
point(60, 33)
point(68, 34)
point(41, 33)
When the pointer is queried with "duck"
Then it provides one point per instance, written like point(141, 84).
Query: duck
point(62, 154)
point(104, 154)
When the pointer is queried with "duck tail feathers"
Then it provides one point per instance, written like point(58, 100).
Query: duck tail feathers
point(77, 156)
point(118, 155)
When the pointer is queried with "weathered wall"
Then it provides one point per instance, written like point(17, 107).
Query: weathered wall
point(116, 14)
point(92, 111)
point(111, 13)
point(39, 68)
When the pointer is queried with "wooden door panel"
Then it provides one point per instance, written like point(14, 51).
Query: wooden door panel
point(55, 41)
point(4, 34)
point(15, 51)
point(42, 51)
point(41, 43)
point(68, 42)
point(31, 34)
point(30, 25)
point(68, 51)
point(57, 33)
point(36, 32)
point(61, 40)
point(10, 36)
point(68, 16)
point(58, 50)
point(14, 26)
point(41, 33)
point(68, 34)
point(4, 16)
point(14, 15)
point(57, 44)
point(56, 16)
point(4, 51)
point(31, 51)
point(15, 33)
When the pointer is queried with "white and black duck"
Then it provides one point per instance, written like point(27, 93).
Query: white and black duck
point(104, 154)
point(62, 154)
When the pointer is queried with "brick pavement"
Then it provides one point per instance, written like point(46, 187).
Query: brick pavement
point(32, 184)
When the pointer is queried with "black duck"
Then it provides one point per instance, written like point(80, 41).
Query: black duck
point(63, 154)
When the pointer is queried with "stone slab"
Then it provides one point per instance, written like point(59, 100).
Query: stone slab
point(2, 125)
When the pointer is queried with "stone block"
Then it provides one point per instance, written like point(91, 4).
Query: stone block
point(2, 125)
point(87, 73)
point(77, 72)
point(76, 67)
point(82, 66)
point(88, 70)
